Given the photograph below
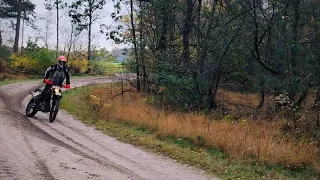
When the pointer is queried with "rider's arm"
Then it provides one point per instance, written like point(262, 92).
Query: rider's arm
point(67, 76)
point(49, 71)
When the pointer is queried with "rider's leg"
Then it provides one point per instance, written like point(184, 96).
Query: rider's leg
point(46, 98)
point(43, 94)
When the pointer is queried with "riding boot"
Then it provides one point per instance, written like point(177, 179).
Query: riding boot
point(43, 97)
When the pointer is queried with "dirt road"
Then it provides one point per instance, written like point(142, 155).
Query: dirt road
point(33, 148)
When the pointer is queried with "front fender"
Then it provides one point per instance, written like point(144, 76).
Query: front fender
point(56, 96)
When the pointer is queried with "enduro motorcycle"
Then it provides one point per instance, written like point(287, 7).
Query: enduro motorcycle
point(52, 97)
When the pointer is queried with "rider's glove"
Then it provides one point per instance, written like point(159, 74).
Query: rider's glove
point(47, 81)
point(67, 86)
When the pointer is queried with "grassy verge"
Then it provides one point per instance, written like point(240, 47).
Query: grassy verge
point(10, 81)
point(16, 78)
point(4, 82)
point(184, 150)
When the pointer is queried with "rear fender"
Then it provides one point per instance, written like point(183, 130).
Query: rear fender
point(35, 93)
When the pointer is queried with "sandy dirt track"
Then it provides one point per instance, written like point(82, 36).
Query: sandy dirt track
point(33, 148)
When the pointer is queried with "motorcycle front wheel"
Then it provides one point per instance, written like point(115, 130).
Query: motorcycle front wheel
point(31, 109)
point(54, 110)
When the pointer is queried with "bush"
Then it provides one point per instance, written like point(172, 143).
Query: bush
point(79, 65)
point(34, 61)
point(177, 91)
point(4, 57)
point(21, 63)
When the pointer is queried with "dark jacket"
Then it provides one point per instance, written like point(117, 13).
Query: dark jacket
point(57, 78)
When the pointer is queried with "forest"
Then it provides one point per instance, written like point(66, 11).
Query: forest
point(252, 61)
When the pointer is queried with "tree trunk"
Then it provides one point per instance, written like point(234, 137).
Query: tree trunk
point(89, 35)
point(71, 41)
point(214, 89)
point(142, 49)
point(22, 33)
point(89, 44)
point(294, 40)
point(198, 31)
point(135, 47)
point(257, 42)
point(47, 35)
point(318, 117)
point(197, 92)
point(186, 33)
point(0, 37)
point(196, 78)
point(186, 51)
point(90, 29)
point(295, 34)
point(162, 45)
point(262, 95)
point(205, 43)
point(16, 39)
point(301, 98)
point(317, 100)
point(57, 9)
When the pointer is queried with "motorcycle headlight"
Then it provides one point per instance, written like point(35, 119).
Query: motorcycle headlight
point(57, 91)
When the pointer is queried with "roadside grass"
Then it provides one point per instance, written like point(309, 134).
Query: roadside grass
point(6, 78)
point(245, 150)
point(4, 82)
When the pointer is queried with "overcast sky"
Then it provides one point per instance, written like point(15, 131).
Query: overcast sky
point(98, 38)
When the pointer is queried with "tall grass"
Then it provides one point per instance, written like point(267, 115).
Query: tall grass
point(263, 140)
point(235, 98)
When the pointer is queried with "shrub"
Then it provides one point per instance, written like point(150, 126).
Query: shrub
point(4, 57)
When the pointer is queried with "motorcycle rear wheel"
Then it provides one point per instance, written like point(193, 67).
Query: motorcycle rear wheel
point(31, 111)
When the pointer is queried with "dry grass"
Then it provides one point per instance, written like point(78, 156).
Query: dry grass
point(241, 139)
point(229, 98)
point(7, 76)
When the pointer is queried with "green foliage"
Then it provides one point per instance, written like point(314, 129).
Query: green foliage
point(78, 65)
point(82, 10)
point(229, 118)
point(235, 69)
point(235, 44)
point(9, 8)
point(43, 58)
point(177, 91)
point(4, 57)
point(4, 52)
point(34, 60)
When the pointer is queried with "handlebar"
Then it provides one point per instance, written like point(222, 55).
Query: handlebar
point(49, 82)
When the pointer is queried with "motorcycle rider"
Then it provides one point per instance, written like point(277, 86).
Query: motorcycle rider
point(57, 72)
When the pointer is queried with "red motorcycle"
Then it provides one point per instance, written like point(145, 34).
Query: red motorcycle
point(52, 97)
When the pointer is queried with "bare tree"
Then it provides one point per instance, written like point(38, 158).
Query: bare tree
point(85, 18)
point(45, 31)
point(14, 9)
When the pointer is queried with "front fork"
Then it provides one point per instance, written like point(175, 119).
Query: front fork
point(54, 98)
